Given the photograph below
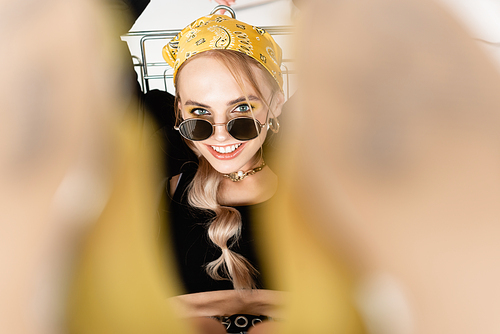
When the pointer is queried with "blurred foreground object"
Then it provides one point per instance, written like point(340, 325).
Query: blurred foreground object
point(396, 166)
point(66, 148)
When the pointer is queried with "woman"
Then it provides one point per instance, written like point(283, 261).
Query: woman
point(228, 96)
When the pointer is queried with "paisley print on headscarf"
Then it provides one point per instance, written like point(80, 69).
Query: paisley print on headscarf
point(245, 45)
point(192, 34)
point(223, 32)
point(190, 54)
point(259, 30)
point(173, 46)
point(222, 38)
point(198, 23)
point(271, 54)
point(200, 41)
point(219, 19)
point(263, 58)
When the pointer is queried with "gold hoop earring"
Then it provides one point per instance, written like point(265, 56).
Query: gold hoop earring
point(274, 125)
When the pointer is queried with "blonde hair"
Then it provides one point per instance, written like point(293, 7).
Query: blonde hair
point(224, 229)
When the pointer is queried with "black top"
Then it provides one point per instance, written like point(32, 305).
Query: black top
point(192, 246)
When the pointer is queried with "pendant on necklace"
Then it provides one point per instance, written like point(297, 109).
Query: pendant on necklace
point(240, 175)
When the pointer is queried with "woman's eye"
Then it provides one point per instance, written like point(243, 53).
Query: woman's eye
point(242, 108)
point(200, 112)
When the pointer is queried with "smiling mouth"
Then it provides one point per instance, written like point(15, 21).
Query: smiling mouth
point(225, 149)
point(226, 152)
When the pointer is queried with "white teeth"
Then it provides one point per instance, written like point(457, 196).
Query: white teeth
point(226, 149)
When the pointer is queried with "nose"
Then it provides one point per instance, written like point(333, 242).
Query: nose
point(220, 132)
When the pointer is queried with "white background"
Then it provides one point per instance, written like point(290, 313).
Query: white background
point(480, 17)
point(175, 15)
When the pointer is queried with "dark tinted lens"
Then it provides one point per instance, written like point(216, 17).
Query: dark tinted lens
point(196, 129)
point(243, 128)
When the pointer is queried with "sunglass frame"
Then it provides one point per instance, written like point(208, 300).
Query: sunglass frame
point(256, 121)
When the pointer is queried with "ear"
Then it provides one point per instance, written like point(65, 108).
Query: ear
point(178, 112)
point(179, 107)
point(279, 100)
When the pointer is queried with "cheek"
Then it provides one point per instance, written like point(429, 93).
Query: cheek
point(183, 114)
point(194, 146)
point(254, 145)
point(197, 146)
point(262, 136)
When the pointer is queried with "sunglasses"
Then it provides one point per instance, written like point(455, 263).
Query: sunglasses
point(240, 128)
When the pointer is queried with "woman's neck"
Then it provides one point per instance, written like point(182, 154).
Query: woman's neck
point(254, 189)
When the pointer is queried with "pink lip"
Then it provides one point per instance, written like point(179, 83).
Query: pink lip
point(226, 156)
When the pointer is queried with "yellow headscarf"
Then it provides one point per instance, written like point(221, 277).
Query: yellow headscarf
point(222, 32)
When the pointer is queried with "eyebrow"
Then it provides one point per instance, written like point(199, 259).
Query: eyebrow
point(194, 103)
point(230, 103)
point(243, 99)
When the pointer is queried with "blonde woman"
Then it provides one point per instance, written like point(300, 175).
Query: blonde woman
point(228, 97)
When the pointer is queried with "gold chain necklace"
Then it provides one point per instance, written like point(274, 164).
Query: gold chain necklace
point(240, 175)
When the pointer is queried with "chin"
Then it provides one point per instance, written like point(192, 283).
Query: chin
point(230, 165)
point(225, 169)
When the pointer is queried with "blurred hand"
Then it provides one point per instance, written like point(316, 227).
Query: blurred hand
point(225, 2)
